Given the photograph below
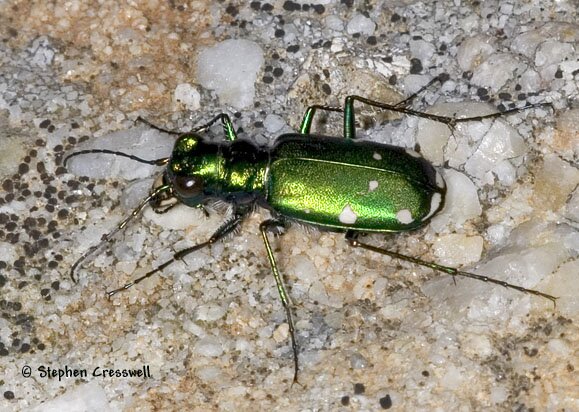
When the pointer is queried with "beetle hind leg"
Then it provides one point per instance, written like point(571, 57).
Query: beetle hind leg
point(451, 122)
point(277, 226)
point(352, 238)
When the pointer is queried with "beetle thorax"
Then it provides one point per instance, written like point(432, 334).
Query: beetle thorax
point(200, 170)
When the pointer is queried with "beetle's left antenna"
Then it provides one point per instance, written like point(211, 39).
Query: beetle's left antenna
point(108, 237)
point(156, 162)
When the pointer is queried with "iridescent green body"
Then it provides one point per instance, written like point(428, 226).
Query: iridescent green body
point(333, 183)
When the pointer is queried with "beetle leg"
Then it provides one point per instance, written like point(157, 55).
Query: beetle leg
point(309, 116)
point(349, 121)
point(228, 128)
point(226, 228)
point(406, 102)
point(204, 210)
point(265, 227)
point(109, 236)
point(165, 209)
point(352, 238)
point(225, 120)
point(311, 110)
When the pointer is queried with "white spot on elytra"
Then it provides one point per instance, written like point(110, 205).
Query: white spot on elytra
point(377, 156)
point(412, 153)
point(348, 216)
point(434, 205)
point(372, 185)
point(404, 216)
point(307, 211)
point(439, 180)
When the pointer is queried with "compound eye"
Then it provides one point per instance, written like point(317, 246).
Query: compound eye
point(187, 186)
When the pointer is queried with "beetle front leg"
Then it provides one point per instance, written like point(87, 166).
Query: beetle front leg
point(226, 228)
point(228, 128)
point(271, 226)
point(109, 236)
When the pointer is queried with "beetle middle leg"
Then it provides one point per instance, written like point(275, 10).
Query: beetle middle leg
point(274, 225)
point(225, 229)
point(352, 238)
point(309, 116)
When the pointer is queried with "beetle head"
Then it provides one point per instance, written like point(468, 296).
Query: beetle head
point(192, 166)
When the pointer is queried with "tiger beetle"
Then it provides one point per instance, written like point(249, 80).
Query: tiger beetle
point(335, 184)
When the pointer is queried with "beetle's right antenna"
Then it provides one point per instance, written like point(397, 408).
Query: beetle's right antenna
point(108, 237)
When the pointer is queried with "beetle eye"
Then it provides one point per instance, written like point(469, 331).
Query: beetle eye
point(187, 186)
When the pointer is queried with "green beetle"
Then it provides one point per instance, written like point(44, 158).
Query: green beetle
point(336, 184)
point(375, 188)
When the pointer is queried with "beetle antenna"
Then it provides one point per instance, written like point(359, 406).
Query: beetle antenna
point(156, 162)
point(109, 236)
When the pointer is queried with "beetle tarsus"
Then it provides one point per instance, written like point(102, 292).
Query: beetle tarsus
point(406, 102)
point(158, 128)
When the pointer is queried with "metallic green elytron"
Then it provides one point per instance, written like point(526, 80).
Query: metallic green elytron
point(336, 184)
point(373, 188)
